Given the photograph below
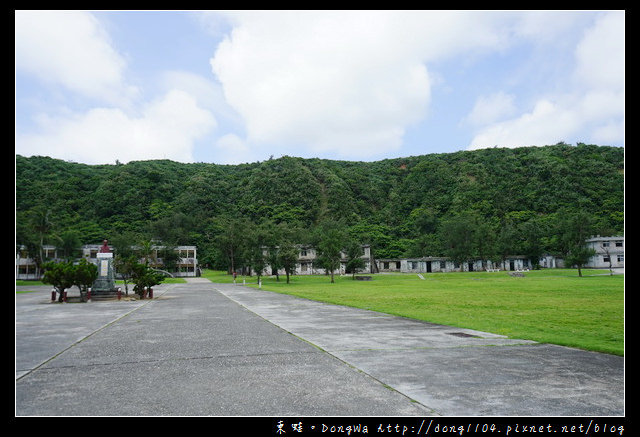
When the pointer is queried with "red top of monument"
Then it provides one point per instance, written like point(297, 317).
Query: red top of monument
point(105, 247)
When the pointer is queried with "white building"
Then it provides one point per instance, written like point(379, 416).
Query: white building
point(444, 264)
point(187, 263)
point(609, 252)
point(307, 262)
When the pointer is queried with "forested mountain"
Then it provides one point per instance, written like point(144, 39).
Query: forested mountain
point(403, 206)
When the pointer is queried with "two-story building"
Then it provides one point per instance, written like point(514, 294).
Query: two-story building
point(186, 265)
point(308, 256)
point(609, 252)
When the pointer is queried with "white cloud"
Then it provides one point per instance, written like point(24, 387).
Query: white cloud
point(72, 53)
point(600, 55)
point(70, 48)
point(337, 82)
point(166, 129)
point(590, 108)
point(546, 124)
point(352, 83)
point(488, 109)
point(345, 84)
point(231, 149)
point(206, 91)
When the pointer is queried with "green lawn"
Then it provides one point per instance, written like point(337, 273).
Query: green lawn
point(549, 306)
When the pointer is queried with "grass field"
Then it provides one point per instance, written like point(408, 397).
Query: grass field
point(549, 306)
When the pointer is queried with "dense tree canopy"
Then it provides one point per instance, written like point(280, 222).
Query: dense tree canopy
point(501, 200)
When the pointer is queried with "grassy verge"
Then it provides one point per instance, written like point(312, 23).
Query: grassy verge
point(549, 306)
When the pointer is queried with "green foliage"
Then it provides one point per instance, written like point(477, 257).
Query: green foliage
point(144, 277)
point(329, 244)
point(60, 275)
point(518, 199)
point(85, 275)
point(125, 264)
point(288, 255)
point(354, 252)
point(64, 275)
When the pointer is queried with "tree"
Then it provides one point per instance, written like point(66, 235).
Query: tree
point(288, 254)
point(458, 236)
point(331, 239)
point(257, 261)
point(34, 232)
point(144, 278)
point(170, 258)
point(64, 275)
point(579, 256)
point(60, 275)
point(355, 261)
point(85, 275)
point(70, 242)
point(231, 241)
point(574, 229)
point(125, 266)
point(274, 261)
point(147, 252)
point(484, 239)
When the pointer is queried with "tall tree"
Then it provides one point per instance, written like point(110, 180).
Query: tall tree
point(458, 237)
point(354, 253)
point(329, 247)
point(574, 229)
point(288, 255)
point(231, 242)
point(85, 275)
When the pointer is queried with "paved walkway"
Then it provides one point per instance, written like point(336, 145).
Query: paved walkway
point(203, 349)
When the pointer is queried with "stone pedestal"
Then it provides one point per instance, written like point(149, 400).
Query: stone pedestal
point(106, 280)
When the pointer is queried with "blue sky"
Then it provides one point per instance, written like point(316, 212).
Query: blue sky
point(241, 86)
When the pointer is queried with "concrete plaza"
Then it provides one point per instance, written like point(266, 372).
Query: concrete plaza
point(204, 349)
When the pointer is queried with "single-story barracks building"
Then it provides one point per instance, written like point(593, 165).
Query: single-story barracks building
point(186, 266)
point(307, 264)
point(609, 254)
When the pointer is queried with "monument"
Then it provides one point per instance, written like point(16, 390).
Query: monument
point(106, 280)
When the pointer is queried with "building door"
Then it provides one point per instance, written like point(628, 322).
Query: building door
point(470, 265)
point(428, 266)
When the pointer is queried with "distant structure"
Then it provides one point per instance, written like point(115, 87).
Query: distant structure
point(609, 252)
point(186, 266)
point(105, 247)
point(106, 280)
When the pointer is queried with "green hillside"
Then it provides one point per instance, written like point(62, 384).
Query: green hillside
point(403, 207)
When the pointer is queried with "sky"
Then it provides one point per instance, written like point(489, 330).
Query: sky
point(230, 87)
